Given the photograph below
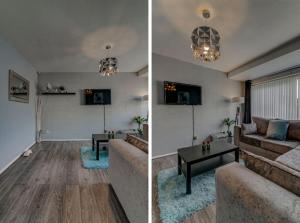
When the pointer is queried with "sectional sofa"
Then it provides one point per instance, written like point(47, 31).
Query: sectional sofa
point(266, 188)
point(128, 174)
point(270, 148)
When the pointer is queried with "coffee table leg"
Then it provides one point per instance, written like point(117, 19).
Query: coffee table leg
point(93, 142)
point(179, 165)
point(237, 159)
point(188, 179)
point(98, 151)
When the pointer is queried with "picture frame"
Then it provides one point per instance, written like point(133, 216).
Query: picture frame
point(18, 88)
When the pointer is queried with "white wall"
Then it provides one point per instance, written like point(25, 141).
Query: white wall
point(17, 128)
point(172, 124)
point(66, 118)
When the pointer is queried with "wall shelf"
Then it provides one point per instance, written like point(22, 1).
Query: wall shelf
point(53, 93)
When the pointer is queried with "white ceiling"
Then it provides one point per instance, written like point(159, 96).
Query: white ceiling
point(248, 28)
point(70, 35)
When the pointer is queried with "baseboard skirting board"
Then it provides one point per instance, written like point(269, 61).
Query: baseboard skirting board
point(15, 159)
point(61, 140)
point(160, 156)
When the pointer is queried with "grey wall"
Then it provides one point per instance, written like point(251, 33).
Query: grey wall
point(172, 124)
point(66, 118)
point(17, 129)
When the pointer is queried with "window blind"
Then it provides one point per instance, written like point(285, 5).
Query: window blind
point(277, 98)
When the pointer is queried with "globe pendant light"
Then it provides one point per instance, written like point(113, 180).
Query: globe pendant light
point(205, 41)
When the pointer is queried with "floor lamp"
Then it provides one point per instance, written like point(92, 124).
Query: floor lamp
point(239, 109)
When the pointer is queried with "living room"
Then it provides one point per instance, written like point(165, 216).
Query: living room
point(225, 86)
point(74, 85)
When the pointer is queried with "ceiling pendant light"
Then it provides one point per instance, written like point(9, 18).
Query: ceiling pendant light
point(109, 65)
point(205, 41)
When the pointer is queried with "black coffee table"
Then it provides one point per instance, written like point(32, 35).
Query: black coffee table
point(102, 139)
point(193, 161)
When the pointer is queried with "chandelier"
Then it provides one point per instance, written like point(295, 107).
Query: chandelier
point(109, 65)
point(205, 42)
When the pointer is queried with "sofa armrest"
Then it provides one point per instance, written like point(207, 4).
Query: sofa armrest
point(244, 196)
point(128, 175)
point(237, 135)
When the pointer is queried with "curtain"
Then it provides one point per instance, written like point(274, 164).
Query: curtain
point(276, 99)
point(247, 112)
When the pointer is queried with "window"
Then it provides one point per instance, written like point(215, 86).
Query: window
point(277, 98)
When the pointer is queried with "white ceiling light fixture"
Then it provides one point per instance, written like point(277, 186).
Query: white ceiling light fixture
point(205, 41)
point(109, 65)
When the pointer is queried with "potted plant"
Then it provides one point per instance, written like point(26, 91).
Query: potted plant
point(139, 120)
point(228, 122)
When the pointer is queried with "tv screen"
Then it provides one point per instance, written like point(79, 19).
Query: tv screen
point(182, 94)
point(97, 96)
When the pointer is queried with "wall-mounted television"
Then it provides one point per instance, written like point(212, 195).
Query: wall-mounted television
point(182, 94)
point(97, 96)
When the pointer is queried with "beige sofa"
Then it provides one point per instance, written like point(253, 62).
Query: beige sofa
point(128, 174)
point(267, 188)
point(269, 148)
point(245, 196)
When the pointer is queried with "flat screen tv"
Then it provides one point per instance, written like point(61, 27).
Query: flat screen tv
point(182, 94)
point(97, 96)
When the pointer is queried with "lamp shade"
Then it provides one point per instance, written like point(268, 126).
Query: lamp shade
point(239, 100)
point(145, 97)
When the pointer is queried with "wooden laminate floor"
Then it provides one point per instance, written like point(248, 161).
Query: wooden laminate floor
point(207, 215)
point(51, 186)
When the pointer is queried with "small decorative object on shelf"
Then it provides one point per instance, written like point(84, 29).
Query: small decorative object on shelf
point(51, 90)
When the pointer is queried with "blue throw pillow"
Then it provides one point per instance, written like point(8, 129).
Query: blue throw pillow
point(277, 129)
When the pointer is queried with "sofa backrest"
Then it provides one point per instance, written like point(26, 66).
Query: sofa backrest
point(261, 125)
point(293, 130)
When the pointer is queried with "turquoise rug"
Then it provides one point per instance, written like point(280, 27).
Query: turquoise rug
point(88, 157)
point(173, 202)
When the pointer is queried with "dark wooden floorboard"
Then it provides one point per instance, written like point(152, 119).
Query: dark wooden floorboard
point(206, 215)
point(51, 186)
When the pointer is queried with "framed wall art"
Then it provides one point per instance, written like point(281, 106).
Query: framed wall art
point(18, 89)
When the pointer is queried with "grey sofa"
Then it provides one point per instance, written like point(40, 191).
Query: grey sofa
point(269, 148)
point(245, 196)
point(267, 188)
point(128, 174)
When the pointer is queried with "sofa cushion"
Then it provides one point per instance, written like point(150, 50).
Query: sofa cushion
point(277, 129)
point(290, 159)
point(254, 140)
point(261, 124)
point(137, 142)
point(278, 146)
point(280, 174)
point(248, 129)
point(294, 130)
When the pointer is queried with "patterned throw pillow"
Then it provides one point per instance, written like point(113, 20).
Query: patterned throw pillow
point(137, 142)
point(277, 129)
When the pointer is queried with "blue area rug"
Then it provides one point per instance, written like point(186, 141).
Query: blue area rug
point(88, 157)
point(173, 202)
